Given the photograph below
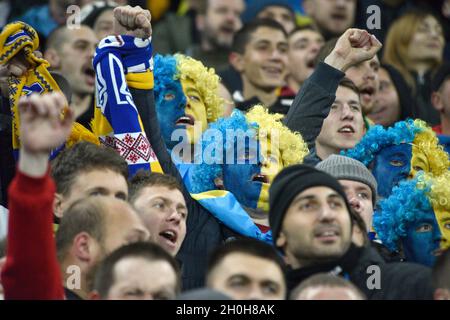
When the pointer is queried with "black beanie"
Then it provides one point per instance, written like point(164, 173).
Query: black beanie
point(289, 183)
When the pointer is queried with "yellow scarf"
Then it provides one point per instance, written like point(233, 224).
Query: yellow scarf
point(19, 37)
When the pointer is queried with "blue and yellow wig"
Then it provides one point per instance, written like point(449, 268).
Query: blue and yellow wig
point(171, 68)
point(260, 122)
point(415, 132)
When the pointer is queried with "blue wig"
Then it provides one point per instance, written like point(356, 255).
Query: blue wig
point(165, 73)
point(408, 202)
point(207, 171)
point(378, 138)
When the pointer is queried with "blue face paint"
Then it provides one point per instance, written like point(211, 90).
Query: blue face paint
point(422, 238)
point(238, 177)
point(391, 165)
point(170, 106)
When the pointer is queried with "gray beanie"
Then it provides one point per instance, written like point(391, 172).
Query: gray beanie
point(345, 168)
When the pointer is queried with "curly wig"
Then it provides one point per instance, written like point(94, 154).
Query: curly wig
point(408, 203)
point(261, 124)
point(170, 68)
point(416, 132)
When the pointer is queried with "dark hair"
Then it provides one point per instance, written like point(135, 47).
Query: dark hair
point(441, 271)
point(324, 280)
point(84, 215)
point(303, 28)
point(250, 247)
point(84, 157)
point(347, 83)
point(242, 37)
point(144, 179)
point(104, 276)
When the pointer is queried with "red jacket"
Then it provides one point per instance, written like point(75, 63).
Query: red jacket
point(31, 270)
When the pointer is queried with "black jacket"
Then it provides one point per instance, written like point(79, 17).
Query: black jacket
point(312, 105)
point(204, 232)
point(398, 280)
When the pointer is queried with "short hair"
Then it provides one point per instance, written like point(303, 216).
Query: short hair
point(324, 280)
point(349, 84)
point(104, 275)
point(441, 271)
point(84, 157)
point(57, 38)
point(144, 179)
point(247, 246)
point(242, 37)
point(84, 215)
point(303, 28)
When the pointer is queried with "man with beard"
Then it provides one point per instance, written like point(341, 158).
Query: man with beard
point(331, 18)
point(311, 225)
point(217, 22)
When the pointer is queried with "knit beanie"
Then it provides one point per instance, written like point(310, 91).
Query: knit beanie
point(256, 6)
point(289, 183)
point(345, 168)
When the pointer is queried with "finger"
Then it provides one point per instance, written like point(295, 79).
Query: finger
point(69, 118)
point(131, 16)
point(57, 104)
point(16, 70)
point(38, 54)
point(36, 102)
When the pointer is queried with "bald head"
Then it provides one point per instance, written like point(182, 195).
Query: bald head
point(110, 222)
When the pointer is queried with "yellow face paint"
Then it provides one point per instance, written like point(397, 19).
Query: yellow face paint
point(443, 220)
point(195, 108)
point(271, 165)
point(419, 161)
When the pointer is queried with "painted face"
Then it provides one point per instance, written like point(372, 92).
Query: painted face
point(391, 165)
point(250, 181)
point(422, 241)
point(181, 107)
point(443, 220)
point(396, 163)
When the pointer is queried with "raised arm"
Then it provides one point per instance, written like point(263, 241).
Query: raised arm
point(31, 270)
point(312, 103)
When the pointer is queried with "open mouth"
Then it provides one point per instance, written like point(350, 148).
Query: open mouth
point(437, 252)
point(274, 71)
point(260, 178)
point(311, 63)
point(347, 129)
point(227, 29)
point(327, 234)
point(339, 16)
point(170, 235)
point(89, 73)
point(367, 92)
point(185, 120)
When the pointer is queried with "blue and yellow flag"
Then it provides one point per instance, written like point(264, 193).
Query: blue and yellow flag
point(224, 206)
point(120, 61)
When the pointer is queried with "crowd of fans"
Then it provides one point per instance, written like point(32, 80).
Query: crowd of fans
point(225, 149)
